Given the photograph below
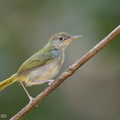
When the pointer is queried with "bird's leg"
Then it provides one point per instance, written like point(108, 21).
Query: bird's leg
point(40, 82)
point(30, 97)
point(50, 83)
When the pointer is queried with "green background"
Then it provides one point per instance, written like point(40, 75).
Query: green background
point(93, 92)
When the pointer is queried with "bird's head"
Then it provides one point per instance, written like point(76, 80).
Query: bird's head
point(62, 39)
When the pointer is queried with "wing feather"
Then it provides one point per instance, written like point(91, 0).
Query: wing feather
point(38, 59)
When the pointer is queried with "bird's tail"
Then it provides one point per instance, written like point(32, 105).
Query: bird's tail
point(8, 81)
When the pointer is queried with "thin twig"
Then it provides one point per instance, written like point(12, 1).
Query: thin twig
point(67, 73)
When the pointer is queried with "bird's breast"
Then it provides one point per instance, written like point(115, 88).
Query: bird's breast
point(46, 71)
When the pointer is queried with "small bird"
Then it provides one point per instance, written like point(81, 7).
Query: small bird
point(43, 65)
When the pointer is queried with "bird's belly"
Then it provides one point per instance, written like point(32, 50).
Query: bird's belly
point(45, 72)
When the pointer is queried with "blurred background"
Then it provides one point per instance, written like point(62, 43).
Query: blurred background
point(93, 92)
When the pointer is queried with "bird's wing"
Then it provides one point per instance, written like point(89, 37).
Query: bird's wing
point(37, 60)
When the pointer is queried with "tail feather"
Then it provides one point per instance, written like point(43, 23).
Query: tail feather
point(8, 81)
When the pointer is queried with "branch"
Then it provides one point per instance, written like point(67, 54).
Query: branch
point(67, 74)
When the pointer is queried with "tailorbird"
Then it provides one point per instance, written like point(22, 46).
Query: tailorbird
point(43, 65)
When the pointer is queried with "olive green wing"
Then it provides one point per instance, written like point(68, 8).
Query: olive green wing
point(37, 60)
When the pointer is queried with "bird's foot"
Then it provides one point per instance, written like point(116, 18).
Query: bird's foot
point(50, 83)
point(31, 99)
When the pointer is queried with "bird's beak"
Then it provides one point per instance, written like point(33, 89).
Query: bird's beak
point(74, 37)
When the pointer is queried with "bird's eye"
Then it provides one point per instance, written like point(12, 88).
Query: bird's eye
point(61, 38)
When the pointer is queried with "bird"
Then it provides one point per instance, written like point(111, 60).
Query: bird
point(43, 65)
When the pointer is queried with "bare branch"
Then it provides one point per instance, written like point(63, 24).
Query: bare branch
point(67, 73)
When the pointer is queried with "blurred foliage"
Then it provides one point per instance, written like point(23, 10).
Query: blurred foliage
point(92, 93)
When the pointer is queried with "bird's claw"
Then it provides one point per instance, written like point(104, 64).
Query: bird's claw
point(50, 83)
